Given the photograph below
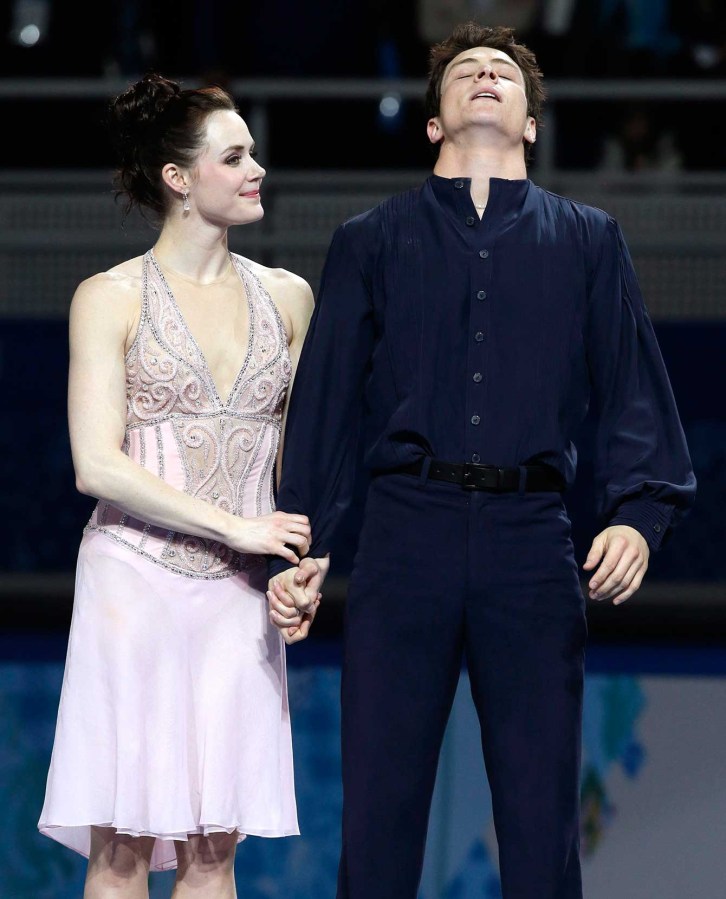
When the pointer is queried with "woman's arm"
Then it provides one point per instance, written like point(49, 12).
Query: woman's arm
point(101, 312)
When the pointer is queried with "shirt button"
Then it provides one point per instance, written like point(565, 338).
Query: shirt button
point(481, 295)
point(458, 184)
point(477, 377)
point(475, 419)
point(475, 458)
point(656, 528)
point(479, 336)
point(470, 220)
point(483, 253)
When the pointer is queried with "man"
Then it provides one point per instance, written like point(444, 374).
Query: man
point(463, 328)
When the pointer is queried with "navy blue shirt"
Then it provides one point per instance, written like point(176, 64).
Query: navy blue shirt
point(439, 334)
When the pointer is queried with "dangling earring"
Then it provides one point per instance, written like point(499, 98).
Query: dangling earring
point(185, 196)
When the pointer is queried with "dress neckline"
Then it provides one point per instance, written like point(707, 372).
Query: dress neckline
point(206, 369)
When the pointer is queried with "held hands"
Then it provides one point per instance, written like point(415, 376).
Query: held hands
point(294, 597)
point(268, 534)
point(622, 554)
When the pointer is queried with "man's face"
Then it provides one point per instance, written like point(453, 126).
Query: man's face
point(483, 89)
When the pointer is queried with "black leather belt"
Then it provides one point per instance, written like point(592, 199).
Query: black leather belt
point(472, 476)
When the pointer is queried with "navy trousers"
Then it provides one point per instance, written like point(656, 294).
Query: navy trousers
point(443, 574)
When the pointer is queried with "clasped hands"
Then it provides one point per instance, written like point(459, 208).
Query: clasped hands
point(294, 596)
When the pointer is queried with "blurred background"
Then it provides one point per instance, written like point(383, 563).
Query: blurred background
point(333, 93)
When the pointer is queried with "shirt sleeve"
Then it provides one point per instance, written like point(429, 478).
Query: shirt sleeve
point(325, 412)
point(643, 470)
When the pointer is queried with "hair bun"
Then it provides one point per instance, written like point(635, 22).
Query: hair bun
point(140, 106)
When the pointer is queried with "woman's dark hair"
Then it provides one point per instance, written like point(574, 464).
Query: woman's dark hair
point(469, 35)
point(152, 123)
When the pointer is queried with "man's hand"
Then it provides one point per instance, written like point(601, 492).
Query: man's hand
point(622, 554)
point(294, 597)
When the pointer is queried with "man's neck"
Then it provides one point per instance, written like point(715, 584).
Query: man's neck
point(480, 164)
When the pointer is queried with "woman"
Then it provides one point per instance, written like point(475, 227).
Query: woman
point(173, 737)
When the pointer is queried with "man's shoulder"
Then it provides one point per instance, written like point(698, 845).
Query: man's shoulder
point(389, 208)
point(591, 225)
point(575, 208)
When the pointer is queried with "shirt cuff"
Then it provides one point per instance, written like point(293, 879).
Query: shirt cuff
point(276, 565)
point(652, 519)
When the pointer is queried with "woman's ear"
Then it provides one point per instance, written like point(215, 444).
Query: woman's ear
point(174, 177)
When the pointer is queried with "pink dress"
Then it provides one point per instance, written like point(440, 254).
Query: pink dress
point(173, 716)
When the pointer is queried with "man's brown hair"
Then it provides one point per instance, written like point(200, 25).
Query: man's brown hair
point(469, 35)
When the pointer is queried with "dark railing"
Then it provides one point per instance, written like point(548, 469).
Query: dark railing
point(260, 92)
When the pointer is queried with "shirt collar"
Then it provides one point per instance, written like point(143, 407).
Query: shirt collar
point(504, 206)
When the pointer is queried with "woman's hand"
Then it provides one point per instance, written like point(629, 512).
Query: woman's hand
point(269, 534)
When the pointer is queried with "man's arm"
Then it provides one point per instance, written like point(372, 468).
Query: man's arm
point(325, 407)
point(643, 470)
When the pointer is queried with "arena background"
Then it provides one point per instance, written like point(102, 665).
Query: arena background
point(332, 93)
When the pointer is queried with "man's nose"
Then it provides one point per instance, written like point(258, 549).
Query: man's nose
point(487, 71)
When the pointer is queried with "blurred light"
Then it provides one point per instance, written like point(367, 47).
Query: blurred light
point(29, 35)
point(30, 21)
point(390, 105)
point(707, 56)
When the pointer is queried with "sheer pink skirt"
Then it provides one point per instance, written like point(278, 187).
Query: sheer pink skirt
point(173, 716)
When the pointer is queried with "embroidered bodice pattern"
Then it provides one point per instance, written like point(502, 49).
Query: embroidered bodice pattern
point(179, 428)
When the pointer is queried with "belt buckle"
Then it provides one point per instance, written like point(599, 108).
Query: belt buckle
point(468, 482)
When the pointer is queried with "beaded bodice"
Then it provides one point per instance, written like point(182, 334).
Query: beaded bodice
point(180, 429)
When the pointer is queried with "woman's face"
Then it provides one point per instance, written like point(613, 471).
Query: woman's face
point(225, 188)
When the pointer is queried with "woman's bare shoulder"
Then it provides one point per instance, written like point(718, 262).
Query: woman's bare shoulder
point(122, 283)
point(109, 301)
point(283, 286)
